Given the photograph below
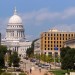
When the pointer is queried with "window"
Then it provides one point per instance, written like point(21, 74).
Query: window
point(60, 41)
point(60, 34)
point(51, 38)
point(45, 41)
point(51, 48)
point(45, 48)
point(57, 34)
point(45, 45)
point(54, 38)
point(60, 45)
point(45, 53)
point(54, 34)
point(69, 35)
point(51, 41)
point(45, 34)
point(48, 48)
point(48, 41)
point(45, 38)
point(56, 54)
point(48, 34)
point(50, 53)
point(48, 45)
point(51, 34)
point(60, 38)
point(48, 38)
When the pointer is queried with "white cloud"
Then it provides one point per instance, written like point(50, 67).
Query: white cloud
point(44, 14)
point(65, 27)
point(70, 12)
point(29, 37)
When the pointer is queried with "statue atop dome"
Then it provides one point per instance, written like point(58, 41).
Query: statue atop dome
point(15, 11)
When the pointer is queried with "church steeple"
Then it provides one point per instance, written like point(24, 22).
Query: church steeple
point(15, 11)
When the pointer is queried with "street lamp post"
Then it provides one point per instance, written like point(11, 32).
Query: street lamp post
point(44, 58)
point(24, 66)
point(54, 61)
point(39, 57)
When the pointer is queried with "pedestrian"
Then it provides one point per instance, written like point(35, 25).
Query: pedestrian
point(39, 69)
point(30, 70)
point(50, 66)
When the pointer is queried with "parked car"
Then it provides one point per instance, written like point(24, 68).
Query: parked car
point(21, 62)
point(46, 66)
point(39, 65)
point(25, 58)
point(18, 69)
point(36, 63)
point(32, 60)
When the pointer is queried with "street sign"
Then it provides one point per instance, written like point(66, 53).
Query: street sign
point(55, 48)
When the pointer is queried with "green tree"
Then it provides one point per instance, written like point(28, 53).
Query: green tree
point(64, 50)
point(3, 50)
point(30, 51)
point(14, 59)
point(2, 61)
point(67, 58)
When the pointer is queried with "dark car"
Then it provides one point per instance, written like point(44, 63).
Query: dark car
point(36, 63)
point(32, 60)
point(39, 65)
point(18, 69)
point(25, 58)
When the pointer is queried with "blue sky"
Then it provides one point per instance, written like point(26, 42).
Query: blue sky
point(39, 15)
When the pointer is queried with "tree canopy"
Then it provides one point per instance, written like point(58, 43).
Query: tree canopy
point(3, 50)
point(67, 58)
point(14, 59)
point(30, 51)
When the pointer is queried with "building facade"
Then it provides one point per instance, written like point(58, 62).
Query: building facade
point(15, 37)
point(37, 45)
point(70, 43)
point(53, 40)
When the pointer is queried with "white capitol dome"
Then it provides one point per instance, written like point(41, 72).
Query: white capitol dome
point(15, 19)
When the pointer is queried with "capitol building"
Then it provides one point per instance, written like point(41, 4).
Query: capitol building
point(15, 38)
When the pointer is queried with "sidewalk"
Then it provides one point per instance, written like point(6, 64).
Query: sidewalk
point(36, 72)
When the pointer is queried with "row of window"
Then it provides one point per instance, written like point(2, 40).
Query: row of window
point(49, 48)
point(50, 53)
point(53, 45)
point(58, 38)
point(58, 34)
point(17, 26)
point(53, 42)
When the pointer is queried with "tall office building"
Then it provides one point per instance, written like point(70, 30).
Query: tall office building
point(53, 40)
